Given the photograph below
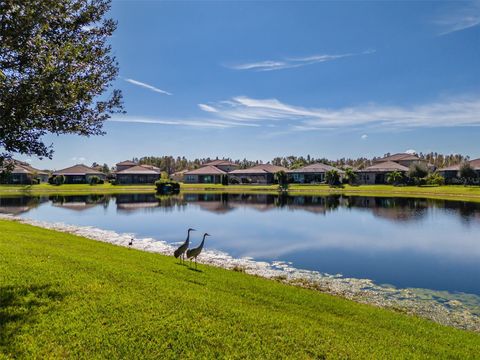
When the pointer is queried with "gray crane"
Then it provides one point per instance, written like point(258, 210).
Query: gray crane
point(180, 252)
point(193, 253)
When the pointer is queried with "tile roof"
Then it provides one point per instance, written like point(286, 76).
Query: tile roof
point(220, 163)
point(21, 167)
point(475, 164)
point(126, 162)
point(260, 169)
point(206, 170)
point(398, 157)
point(78, 169)
point(138, 169)
point(315, 168)
point(385, 167)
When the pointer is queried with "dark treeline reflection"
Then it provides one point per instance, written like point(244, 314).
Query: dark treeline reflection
point(399, 209)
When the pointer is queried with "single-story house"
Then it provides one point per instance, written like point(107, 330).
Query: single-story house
point(138, 174)
point(453, 172)
point(403, 159)
point(23, 174)
point(259, 174)
point(376, 174)
point(314, 173)
point(79, 174)
point(205, 175)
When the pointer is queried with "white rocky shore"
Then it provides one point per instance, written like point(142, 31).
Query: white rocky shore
point(438, 307)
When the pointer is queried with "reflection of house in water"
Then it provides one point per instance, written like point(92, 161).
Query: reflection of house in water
point(131, 202)
point(20, 204)
point(398, 209)
point(79, 202)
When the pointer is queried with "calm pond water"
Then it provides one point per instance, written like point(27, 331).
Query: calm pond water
point(414, 243)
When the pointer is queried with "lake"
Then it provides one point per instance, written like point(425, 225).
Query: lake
point(407, 243)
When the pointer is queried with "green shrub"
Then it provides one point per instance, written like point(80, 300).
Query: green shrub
point(435, 179)
point(94, 180)
point(167, 187)
point(332, 177)
point(59, 180)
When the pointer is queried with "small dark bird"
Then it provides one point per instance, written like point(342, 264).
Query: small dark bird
point(131, 242)
point(180, 252)
point(193, 253)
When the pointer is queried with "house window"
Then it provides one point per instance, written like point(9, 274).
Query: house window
point(191, 178)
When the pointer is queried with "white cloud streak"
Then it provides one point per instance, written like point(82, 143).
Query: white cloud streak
point(295, 62)
point(194, 123)
point(462, 17)
point(463, 111)
point(147, 86)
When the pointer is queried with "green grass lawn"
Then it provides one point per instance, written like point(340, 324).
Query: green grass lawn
point(451, 192)
point(65, 296)
point(74, 189)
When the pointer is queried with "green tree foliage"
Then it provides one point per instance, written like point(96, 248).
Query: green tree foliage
point(350, 176)
point(57, 72)
point(282, 180)
point(332, 177)
point(418, 171)
point(394, 178)
point(435, 179)
point(468, 173)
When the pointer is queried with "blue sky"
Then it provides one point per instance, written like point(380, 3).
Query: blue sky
point(261, 79)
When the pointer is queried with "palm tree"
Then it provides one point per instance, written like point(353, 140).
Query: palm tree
point(351, 176)
point(394, 178)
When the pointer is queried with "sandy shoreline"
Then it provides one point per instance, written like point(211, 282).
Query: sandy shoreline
point(436, 306)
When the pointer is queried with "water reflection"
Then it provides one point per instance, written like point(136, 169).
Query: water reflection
point(432, 244)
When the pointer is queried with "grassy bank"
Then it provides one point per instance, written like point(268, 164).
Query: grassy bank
point(451, 192)
point(66, 296)
point(74, 189)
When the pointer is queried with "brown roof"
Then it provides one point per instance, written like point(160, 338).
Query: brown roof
point(21, 167)
point(138, 169)
point(398, 157)
point(206, 170)
point(126, 163)
point(151, 167)
point(475, 164)
point(315, 168)
point(260, 169)
point(220, 163)
point(385, 167)
point(78, 169)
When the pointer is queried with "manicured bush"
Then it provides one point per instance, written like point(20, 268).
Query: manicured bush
point(94, 180)
point(435, 179)
point(165, 187)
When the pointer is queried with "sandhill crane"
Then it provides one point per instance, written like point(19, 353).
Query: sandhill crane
point(193, 253)
point(130, 243)
point(180, 252)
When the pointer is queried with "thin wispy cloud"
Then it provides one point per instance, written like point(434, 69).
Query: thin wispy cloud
point(294, 62)
point(147, 86)
point(461, 111)
point(459, 16)
point(194, 123)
